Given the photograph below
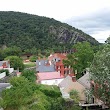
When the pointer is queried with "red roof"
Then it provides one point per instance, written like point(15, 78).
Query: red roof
point(49, 75)
point(57, 55)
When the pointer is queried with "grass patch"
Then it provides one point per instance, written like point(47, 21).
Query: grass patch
point(29, 64)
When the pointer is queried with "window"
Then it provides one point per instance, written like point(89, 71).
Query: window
point(58, 67)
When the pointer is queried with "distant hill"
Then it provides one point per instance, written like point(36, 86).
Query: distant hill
point(28, 31)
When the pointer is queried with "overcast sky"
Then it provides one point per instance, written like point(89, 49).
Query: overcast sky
point(91, 16)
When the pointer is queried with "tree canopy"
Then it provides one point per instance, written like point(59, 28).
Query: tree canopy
point(29, 74)
point(15, 62)
point(100, 74)
point(23, 95)
point(81, 58)
point(12, 51)
point(74, 94)
point(26, 95)
point(108, 40)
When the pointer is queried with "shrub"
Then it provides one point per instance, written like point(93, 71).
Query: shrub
point(33, 58)
point(74, 94)
point(29, 74)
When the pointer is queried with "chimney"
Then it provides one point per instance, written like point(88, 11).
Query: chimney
point(74, 78)
point(50, 62)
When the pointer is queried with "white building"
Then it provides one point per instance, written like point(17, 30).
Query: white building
point(49, 78)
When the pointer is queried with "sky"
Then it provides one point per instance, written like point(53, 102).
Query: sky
point(90, 16)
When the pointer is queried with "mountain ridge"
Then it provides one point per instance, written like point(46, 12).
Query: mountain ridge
point(27, 31)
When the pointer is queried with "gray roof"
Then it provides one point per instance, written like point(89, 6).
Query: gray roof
point(42, 66)
point(45, 68)
point(66, 82)
point(85, 80)
point(4, 86)
point(42, 62)
point(67, 85)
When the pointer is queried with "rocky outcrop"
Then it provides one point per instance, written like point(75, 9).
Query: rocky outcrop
point(65, 35)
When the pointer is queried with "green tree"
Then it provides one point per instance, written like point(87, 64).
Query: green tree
point(74, 94)
point(81, 58)
point(34, 51)
point(15, 62)
point(20, 94)
point(100, 74)
point(23, 95)
point(27, 51)
point(51, 91)
point(33, 58)
point(13, 51)
point(108, 40)
point(26, 95)
point(54, 97)
point(29, 74)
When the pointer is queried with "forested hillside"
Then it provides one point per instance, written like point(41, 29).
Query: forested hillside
point(27, 31)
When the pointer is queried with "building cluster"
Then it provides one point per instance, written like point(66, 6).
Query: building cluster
point(52, 71)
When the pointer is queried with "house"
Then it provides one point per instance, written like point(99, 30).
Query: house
point(82, 85)
point(44, 66)
point(57, 60)
point(70, 83)
point(49, 78)
point(4, 64)
point(26, 56)
point(52, 64)
point(85, 80)
point(56, 57)
point(60, 67)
